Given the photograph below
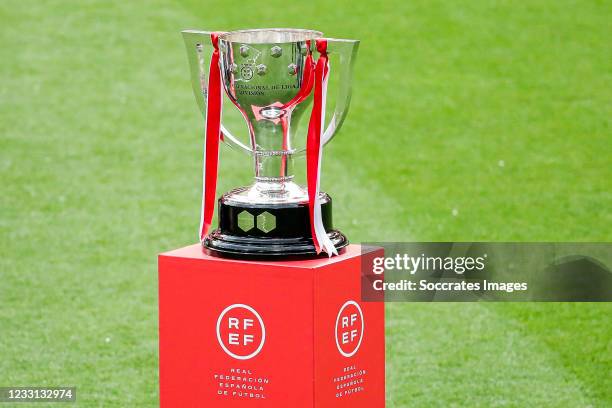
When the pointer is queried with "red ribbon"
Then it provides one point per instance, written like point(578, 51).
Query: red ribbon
point(213, 134)
point(314, 150)
point(307, 83)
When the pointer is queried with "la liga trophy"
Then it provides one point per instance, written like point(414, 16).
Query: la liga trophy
point(261, 317)
point(277, 79)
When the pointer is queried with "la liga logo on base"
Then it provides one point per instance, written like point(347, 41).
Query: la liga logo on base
point(349, 328)
point(240, 331)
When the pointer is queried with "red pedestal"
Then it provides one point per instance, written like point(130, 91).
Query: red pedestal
point(268, 334)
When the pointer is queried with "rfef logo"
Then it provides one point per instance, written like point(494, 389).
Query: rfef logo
point(240, 331)
point(349, 328)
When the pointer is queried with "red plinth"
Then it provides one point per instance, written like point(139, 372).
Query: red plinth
point(268, 334)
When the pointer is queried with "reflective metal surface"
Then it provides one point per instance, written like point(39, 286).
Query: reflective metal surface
point(265, 75)
point(270, 88)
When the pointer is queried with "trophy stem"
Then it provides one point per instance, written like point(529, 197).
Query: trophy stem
point(273, 164)
point(274, 176)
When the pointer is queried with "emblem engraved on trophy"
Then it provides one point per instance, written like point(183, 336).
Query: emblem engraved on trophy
point(277, 79)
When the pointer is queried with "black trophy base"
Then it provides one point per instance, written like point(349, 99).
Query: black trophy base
point(269, 231)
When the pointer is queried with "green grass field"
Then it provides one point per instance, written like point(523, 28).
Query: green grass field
point(495, 111)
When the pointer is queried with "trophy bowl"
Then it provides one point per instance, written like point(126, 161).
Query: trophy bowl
point(268, 75)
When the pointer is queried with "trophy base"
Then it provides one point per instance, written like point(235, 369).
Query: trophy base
point(272, 231)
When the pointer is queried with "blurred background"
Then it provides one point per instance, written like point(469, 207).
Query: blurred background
point(470, 121)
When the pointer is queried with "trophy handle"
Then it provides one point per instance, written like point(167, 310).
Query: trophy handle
point(199, 51)
point(342, 54)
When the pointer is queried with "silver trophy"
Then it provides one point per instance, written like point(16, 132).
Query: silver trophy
point(268, 75)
